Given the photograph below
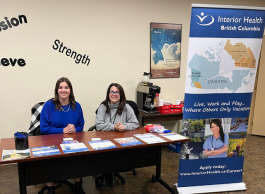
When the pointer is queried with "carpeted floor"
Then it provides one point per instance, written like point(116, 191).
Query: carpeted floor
point(253, 175)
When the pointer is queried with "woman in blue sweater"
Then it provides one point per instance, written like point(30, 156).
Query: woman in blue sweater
point(62, 114)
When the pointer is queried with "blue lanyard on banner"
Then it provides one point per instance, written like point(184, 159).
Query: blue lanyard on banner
point(212, 144)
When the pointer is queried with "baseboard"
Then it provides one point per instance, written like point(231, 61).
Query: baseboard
point(211, 188)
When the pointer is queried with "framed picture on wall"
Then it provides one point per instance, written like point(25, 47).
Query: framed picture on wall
point(165, 50)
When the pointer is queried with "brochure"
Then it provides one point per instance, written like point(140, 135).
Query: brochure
point(173, 136)
point(45, 151)
point(128, 141)
point(73, 147)
point(15, 154)
point(70, 141)
point(102, 144)
point(150, 138)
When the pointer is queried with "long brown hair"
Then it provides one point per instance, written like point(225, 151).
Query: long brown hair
point(122, 99)
point(56, 100)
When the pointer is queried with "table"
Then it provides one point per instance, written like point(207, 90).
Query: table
point(144, 117)
point(36, 170)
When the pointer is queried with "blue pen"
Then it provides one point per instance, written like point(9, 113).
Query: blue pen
point(19, 135)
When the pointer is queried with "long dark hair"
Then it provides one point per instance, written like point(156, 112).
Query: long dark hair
point(56, 100)
point(121, 106)
point(218, 123)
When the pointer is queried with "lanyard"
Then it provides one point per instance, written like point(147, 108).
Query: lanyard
point(114, 115)
point(212, 144)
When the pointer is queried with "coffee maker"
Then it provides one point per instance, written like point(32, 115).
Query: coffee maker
point(146, 94)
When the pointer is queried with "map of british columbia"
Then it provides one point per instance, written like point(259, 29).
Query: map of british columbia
point(236, 71)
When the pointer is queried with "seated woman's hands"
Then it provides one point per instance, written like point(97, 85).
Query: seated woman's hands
point(119, 127)
point(69, 129)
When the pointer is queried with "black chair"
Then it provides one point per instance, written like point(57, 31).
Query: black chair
point(116, 174)
point(34, 130)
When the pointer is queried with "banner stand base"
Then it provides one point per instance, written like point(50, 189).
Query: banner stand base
point(211, 188)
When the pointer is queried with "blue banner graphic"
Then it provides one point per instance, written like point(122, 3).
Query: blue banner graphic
point(223, 56)
point(203, 106)
point(210, 171)
point(227, 23)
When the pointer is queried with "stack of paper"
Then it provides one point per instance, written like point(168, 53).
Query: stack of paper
point(15, 154)
point(70, 141)
point(173, 136)
point(74, 147)
point(149, 138)
point(102, 144)
point(45, 151)
point(128, 141)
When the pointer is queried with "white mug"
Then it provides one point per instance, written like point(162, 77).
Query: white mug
point(178, 102)
point(161, 102)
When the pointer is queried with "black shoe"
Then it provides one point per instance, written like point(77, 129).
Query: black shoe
point(51, 190)
point(78, 188)
point(111, 180)
point(101, 183)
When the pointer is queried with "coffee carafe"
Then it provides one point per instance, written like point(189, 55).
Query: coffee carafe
point(145, 97)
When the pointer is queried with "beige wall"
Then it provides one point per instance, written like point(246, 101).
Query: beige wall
point(114, 33)
point(257, 127)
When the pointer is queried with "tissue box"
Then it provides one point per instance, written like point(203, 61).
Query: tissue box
point(177, 110)
point(169, 109)
point(163, 111)
point(177, 106)
point(165, 107)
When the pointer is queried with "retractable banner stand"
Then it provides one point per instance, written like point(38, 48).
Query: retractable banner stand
point(224, 49)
